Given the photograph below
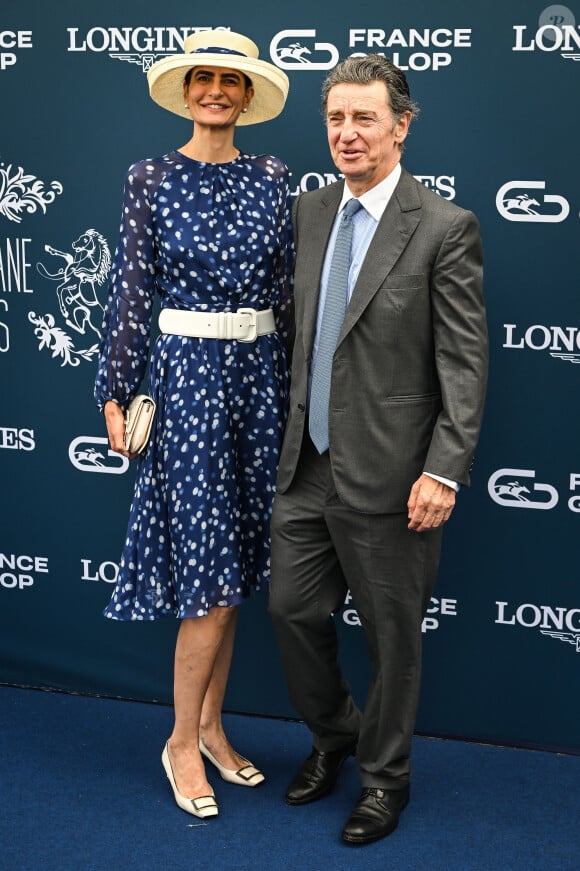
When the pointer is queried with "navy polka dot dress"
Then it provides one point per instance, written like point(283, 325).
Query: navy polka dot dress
point(203, 237)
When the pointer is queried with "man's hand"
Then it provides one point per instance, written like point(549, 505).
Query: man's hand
point(430, 504)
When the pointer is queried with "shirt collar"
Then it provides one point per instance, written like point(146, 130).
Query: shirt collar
point(375, 200)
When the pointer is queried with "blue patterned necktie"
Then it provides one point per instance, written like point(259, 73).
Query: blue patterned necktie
point(331, 325)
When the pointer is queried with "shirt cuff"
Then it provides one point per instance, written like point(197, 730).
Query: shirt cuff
point(453, 484)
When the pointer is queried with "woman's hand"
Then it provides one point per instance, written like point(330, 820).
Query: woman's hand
point(115, 421)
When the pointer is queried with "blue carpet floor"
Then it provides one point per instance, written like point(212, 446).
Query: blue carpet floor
point(81, 787)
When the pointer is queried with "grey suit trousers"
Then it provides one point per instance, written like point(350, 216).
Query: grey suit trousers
point(320, 549)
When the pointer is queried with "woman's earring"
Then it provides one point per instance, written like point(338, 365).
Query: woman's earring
point(244, 110)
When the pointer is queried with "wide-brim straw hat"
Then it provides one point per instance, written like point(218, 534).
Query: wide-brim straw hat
point(220, 48)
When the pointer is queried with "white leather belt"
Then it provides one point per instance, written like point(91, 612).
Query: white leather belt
point(245, 325)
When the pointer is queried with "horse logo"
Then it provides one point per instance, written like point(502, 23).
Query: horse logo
point(512, 488)
point(294, 55)
point(522, 206)
point(76, 293)
point(93, 454)
point(510, 493)
point(90, 457)
point(85, 270)
point(294, 51)
point(521, 203)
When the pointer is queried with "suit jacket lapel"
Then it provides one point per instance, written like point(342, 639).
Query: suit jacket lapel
point(399, 222)
point(318, 230)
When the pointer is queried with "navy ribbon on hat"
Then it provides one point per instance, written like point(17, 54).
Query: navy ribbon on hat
point(217, 50)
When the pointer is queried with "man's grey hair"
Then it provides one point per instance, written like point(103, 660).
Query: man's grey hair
point(368, 69)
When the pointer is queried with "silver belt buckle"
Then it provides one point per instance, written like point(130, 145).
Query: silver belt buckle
point(252, 333)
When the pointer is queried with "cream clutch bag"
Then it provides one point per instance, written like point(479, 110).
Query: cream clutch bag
point(138, 422)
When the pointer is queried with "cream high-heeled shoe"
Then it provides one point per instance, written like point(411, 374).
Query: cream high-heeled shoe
point(205, 806)
point(247, 775)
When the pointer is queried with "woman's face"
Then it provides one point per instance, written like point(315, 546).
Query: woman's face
point(216, 96)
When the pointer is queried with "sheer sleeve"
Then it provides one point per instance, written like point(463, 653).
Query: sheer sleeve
point(124, 347)
point(284, 310)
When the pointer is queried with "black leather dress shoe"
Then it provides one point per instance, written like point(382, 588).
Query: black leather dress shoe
point(375, 815)
point(318, 774)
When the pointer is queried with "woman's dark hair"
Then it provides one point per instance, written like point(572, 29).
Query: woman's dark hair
point(187, 78)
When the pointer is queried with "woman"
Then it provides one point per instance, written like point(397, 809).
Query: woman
point(208, 228)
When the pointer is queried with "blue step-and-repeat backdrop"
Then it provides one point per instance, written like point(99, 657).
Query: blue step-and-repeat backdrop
point(498, 133)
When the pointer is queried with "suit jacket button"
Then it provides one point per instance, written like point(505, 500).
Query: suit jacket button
point(301, 406)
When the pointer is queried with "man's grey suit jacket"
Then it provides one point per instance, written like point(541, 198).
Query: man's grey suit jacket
point(409, 372)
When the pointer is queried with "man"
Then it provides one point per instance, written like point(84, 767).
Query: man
point(375, 449)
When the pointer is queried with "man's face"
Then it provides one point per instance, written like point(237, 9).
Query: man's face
point(364, 139)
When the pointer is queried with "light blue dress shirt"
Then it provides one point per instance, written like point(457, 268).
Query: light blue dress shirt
point(365, 222)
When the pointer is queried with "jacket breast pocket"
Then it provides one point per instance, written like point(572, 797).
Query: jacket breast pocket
point(403, 293)
point(403, 281)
